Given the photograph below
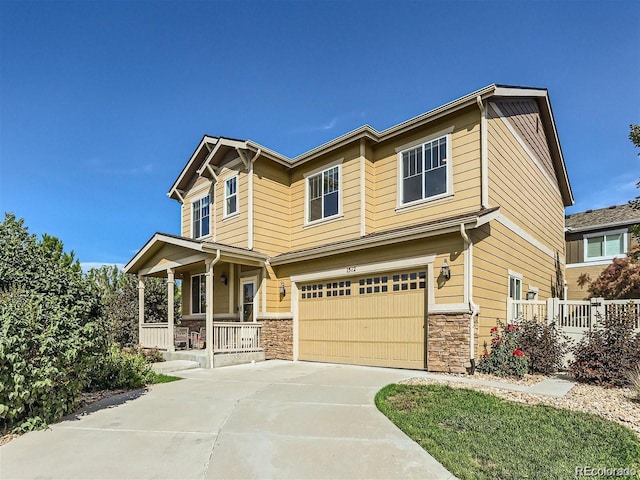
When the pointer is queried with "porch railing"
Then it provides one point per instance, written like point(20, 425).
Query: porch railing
point(229, 337)
point(155, 335)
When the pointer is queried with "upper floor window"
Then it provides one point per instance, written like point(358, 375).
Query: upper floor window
point(323, 192)
point(198, 293)
point(424, 171)
point(230, 196)
point(201, 210)
point(606, 246)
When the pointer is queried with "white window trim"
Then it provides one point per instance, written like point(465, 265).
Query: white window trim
point(193, 201)
point(319, 171)
point(224, 197)
point(204, 276)
point(625, 241)
point(400, 205)
point(516, 276)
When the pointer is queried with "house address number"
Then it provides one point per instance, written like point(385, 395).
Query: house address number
point(351, 269)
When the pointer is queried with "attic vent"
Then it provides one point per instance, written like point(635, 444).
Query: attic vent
point(588, 211)
point(612, 207)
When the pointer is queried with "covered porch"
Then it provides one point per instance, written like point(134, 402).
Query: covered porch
point(220, 300)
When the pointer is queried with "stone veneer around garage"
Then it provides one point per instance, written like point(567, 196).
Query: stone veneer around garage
point(448, 342)
point(277, 338)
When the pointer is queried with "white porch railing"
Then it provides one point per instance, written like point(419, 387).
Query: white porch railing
point(230, 337)
point(155, 335)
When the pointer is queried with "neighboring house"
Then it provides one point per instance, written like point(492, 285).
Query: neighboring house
point(390, 248)
point(594, 238)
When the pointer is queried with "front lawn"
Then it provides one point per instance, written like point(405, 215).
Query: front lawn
point(479, 436)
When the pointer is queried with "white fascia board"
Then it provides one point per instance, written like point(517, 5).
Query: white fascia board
point(519, 92)
point(205, 140)
point(154, 240)
point(622, 223)
point(405, 235)
point(357, 270)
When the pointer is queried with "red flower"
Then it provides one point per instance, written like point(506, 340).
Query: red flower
point(511, 327)
point(494, 330)
point(518, 353)
point(496, 342)
point(485, 354)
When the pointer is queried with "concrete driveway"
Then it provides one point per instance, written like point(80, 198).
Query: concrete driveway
point(273, 419)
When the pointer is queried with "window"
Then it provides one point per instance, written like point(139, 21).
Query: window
point(198, 293)
point(201, 217)
point(515, 287)
point(323, 190)
point(601, 247)
point(230, 196)
point(424, 171)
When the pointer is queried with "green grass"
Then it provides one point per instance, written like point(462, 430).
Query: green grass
point(480, 436)
point(162, 378)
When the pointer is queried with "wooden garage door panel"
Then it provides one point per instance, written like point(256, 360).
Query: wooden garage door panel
point(382, 329)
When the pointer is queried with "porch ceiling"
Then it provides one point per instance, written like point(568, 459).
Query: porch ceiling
point(163, 251)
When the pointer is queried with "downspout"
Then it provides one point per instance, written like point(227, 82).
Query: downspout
point(484, 161)
point(468, 293)
point(209, 307)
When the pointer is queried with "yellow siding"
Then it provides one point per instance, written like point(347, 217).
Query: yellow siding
point(199, 188)
point(335, 230)
point(232, 230)
point(496, 251)
point(465, 153)
point(446, 247)
point(521, 190)
point(271, 208)
point(275, 302)
point(370, 191)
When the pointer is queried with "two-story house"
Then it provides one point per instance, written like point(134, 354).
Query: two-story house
point(390, 248)
point(594, 238)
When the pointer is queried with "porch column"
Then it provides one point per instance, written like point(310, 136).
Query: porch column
point(171, 282)
point(140, 307)
point(209, 309)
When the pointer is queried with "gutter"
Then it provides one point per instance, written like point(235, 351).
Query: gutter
point(468, 293)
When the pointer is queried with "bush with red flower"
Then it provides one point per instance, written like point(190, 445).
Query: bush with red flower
point(505, 358)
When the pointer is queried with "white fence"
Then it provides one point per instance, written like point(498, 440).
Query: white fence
point(574, 317)
point(228, 337)
point(236, 337)
point(155, 335)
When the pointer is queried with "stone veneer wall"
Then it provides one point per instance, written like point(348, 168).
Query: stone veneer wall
point(277, 339)
point(448, 342)
point(193, 324)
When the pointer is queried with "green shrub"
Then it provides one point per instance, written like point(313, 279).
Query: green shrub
point(506, 359)
point(50, 335)
point(121, 369)
point(544, 345)
point(151, 355)
point(608, 352)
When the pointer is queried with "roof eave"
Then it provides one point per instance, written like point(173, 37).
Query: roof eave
point(206, 139)
point(410, 233)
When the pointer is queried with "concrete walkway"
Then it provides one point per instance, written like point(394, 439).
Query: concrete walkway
point(273, 419)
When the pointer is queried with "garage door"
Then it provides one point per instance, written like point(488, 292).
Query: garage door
point(374, 320)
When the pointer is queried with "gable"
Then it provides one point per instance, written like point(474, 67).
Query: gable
point(524, 116)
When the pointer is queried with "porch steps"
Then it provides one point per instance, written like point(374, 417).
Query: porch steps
point(174, 366)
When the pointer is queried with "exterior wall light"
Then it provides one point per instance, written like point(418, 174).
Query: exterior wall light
point(445, 271)
point(223, 279)
point(531, 295)
point(283, 290)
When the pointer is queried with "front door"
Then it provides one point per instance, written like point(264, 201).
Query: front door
point(247, 299)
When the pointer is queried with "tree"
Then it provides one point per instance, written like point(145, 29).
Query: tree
point(119, 298)
point(621, 279)
point(50, 333)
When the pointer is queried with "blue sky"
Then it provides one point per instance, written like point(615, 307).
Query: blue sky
point(102, 103)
